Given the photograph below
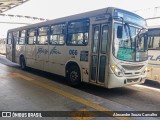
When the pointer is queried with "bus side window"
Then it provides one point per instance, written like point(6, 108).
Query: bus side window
point(159, 43)
point(9, 38)
point(156, 42)
point(57, 35)
point(16, 37)
point(31, 36)
point(43, 35)
point(22, 35)
point(78, 32)
point(150, 42)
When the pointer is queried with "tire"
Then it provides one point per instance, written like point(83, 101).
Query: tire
point(73, 75)
point(22, 63)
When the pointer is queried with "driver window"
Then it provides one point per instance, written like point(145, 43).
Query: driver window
point(141, 44)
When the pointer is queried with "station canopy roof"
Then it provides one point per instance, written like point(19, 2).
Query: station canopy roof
point(9, 4)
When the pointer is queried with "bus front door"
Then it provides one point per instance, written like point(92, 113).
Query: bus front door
point(99, 52)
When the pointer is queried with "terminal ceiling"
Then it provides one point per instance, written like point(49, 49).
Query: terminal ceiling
point(9, 4)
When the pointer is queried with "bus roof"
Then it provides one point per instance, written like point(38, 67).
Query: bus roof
point(154, 30)
point(65, 19)
point(154, 27)
point(72, 17)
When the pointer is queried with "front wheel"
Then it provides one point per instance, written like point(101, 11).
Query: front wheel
point(22, 63)
point(73, 75)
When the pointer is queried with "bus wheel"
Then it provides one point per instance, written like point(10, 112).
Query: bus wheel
point(22, 63)
point(73, 75)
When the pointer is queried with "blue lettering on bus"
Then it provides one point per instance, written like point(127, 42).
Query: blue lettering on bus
point(151, 57)
point(55, 51)
point(73, 52)
point(42, 51)
point(158, 58)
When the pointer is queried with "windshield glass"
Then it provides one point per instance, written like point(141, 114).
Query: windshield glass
point(132, 44)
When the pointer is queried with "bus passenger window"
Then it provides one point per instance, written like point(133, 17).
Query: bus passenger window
point(150, 42)
point(76, 38)
point(156, 42)
point(31, 36)
point(43, 35)
point(86, 38)
point(16, 37)
point(78, 32)
point(57, 34)
point(9, 38)
point(22, 37)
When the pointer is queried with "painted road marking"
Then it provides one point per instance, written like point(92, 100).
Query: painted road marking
point(82, 113)
point(22, 76)
point(70, 96)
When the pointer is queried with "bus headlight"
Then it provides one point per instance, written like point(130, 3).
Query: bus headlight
point(117, 70)
point(145, 70)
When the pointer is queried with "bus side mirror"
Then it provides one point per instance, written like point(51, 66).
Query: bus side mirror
point(146, 42)
point(119, 31)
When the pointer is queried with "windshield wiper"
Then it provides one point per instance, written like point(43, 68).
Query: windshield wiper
point(129, 32)
point(138, 37)
point(140, 31)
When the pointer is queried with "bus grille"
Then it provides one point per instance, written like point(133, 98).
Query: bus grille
point(126, 67)
point(132, 80)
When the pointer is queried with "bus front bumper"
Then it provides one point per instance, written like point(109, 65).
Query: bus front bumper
point(115, 81)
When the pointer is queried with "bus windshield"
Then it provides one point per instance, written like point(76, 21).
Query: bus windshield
point(132, 44)
point(154, 39)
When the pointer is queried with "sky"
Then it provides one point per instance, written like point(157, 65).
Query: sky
point(51, 9)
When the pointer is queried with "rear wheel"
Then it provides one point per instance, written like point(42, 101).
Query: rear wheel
point(73, 75)
point(22, 63)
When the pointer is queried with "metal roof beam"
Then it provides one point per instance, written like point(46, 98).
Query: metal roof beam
point(9, 4)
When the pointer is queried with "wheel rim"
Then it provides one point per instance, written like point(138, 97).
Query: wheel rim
point(74, 76)
point(22, 64)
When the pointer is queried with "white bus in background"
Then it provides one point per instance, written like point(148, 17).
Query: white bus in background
point(154, 53)
point(106, 47)
point(2, 45)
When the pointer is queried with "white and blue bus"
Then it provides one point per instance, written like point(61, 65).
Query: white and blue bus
point(2, 45)
point(106, 47)
point(154, 53)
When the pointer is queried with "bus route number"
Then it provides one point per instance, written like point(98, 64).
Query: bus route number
point(73, 52)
